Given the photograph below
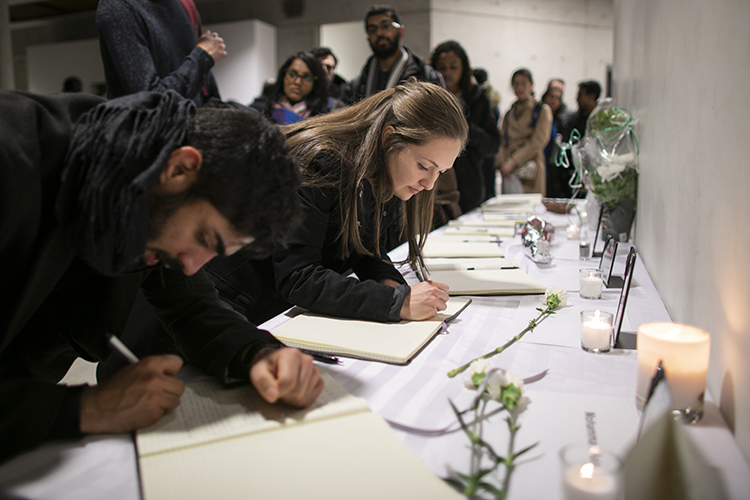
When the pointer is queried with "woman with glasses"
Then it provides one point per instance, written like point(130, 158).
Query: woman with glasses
point(300, 91)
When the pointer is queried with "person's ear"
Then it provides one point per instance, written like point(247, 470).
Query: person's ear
point(181, 170)
point(386, 136)
point(401, 31)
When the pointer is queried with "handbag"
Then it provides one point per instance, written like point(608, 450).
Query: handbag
point(527, 171)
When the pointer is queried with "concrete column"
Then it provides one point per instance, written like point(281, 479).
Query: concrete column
point(6, 53)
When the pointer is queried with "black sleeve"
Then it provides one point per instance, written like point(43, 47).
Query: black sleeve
point(208, 332)
point(126, 48)
point(484, 136)
point(302, 279)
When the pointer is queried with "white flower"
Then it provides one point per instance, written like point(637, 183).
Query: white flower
point(611, 166)
point(495, 384)
point(477, 367)
point(562, 295)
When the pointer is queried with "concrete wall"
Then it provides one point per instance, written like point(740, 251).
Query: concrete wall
point(681, 67)
point(569, 39)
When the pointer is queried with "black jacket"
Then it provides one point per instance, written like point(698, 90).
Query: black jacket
point(415, 66)
point(484, 139)
point(310, 273)
point(54, 307)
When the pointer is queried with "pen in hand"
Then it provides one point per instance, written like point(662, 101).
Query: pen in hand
point(117, 346)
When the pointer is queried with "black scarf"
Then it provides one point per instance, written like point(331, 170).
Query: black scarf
point(115, 156)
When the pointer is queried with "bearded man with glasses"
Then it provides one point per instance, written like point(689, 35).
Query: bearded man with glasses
point(391, 62)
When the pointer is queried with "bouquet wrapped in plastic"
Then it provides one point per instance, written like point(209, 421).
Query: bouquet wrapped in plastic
point(606, 159)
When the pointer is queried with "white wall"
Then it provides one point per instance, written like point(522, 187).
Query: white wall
point(250, 61)
point(349, 42)
point(569, 39)
point(681, 67)
point(50, 64)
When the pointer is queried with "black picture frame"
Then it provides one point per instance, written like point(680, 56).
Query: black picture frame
point(625, 340)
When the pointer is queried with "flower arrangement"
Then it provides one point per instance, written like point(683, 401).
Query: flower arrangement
point(609, 156)
point(505, 388)
point(496, 386)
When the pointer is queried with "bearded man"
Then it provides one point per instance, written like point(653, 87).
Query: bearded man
point(391, 63)
point(101, 199)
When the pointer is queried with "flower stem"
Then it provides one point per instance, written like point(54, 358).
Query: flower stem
point(532, 324)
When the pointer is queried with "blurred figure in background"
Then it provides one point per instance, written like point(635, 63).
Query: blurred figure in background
point(452, 62)
point(300, 91)
point(72, 84)
point(337, 86)
point(488, 164)
point(557, 177)
point(525, 133)
point(157, 45)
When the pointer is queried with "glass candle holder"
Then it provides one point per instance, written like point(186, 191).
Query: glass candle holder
point(596, 331)
point(684, 351)
point(590, 473)
point(573, 231)
point(591, 283)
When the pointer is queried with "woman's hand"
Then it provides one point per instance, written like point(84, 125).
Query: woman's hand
point(424, 301)
point(508, 167)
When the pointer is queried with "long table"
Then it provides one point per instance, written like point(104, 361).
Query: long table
point(583, 396)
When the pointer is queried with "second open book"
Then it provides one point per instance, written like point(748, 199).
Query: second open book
point(388, 342)
point(230, 444)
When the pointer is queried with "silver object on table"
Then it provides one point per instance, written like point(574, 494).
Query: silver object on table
point(536, 236)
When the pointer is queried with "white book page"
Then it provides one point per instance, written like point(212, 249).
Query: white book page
point(488, 280)
point(353, 456)
point(207, 413)
point(390, 342)
point(447, 249)
point(446, 264)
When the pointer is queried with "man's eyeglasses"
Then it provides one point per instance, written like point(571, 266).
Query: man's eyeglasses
point(385, 26)
point(292, 75)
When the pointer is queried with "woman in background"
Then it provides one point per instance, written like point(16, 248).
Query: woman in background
point(300, 91)
point(364, 169)
point(524, 134)
point(451, 61)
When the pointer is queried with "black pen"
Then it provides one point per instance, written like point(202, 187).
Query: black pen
point(323, 358)
point(117, 346)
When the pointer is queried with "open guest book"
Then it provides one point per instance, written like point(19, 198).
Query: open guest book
point(395, 343)
point(508, 231)
point(443, 248)
point(230, 444)
point(488, 282)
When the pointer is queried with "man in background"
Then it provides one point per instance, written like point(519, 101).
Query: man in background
point(87, 220)
point(157, 45)
point(337, 86)
point(587, 97)
point(391, 62)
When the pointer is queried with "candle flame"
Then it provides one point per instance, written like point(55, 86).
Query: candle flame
point(596, 314)
point(587, 470)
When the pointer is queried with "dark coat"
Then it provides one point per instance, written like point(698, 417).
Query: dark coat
point(150, 45)
point(415, 66)
point(54, 307)
point(484, 139)
point(310, 273)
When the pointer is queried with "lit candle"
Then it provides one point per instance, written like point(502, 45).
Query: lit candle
point(596, 331)
point(590, 473)
point(591, 283)
point(590, 483)
point(684, 351)
point(574, 232)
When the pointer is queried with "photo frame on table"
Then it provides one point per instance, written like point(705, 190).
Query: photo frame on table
point(607, 265)
point(594, 253)
point(625, 340)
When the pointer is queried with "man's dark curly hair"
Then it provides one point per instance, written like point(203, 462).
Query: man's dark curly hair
point(247, 174)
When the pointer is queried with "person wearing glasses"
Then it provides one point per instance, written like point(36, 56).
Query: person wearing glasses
point(300, 91)
point(391, 62)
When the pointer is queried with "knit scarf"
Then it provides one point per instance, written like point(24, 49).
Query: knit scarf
point(115, 156)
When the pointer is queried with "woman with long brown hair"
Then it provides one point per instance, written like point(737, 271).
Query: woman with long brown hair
point(367, 171)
